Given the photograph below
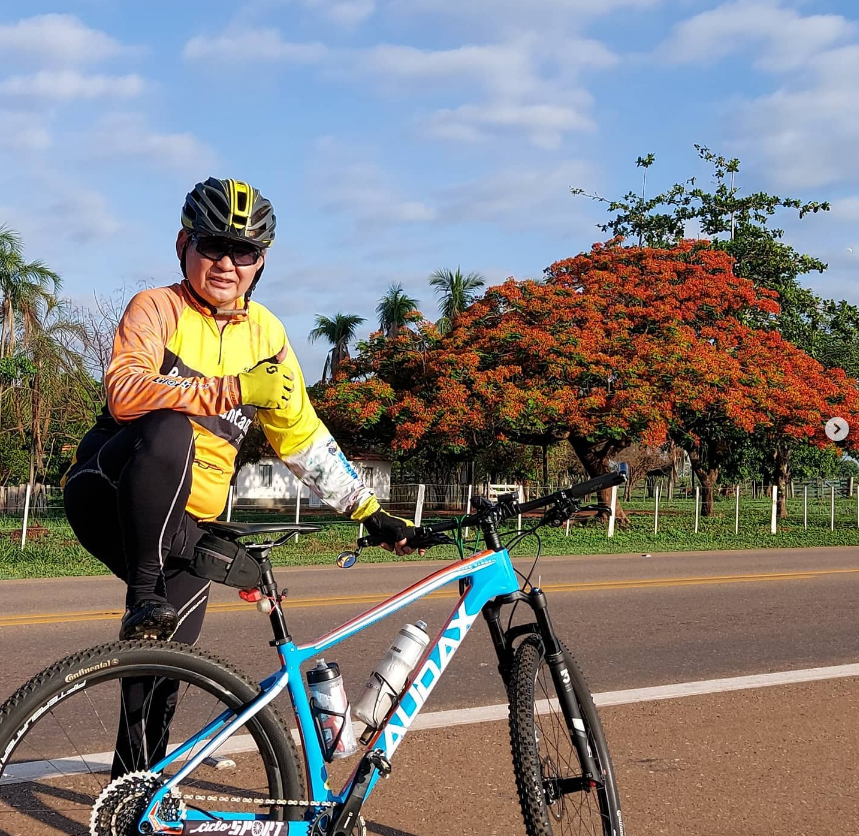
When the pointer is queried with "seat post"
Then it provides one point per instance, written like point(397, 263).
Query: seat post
point(268, 587)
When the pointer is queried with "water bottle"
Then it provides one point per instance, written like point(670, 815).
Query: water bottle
point(388, 679)
point(326, 688)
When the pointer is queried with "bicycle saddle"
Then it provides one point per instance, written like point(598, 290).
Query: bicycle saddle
point(237, 529)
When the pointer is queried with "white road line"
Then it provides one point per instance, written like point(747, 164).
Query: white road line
point(100, 762)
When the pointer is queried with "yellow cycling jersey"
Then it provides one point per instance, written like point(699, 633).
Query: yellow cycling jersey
point(169, 353)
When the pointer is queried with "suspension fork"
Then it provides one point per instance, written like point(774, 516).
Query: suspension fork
point(503, 643)
point(563, 681)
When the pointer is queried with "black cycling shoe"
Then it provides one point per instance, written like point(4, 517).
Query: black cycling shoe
point(149, 620)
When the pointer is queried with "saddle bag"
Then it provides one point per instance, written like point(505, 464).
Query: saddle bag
point(224, 561)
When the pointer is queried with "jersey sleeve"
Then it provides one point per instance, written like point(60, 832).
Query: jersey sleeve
point(308, 449)
point(134, 382)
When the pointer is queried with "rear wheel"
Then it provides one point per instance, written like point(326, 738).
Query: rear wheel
point(545, 761)
point(64, 733)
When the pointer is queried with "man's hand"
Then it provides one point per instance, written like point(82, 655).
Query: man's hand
point(394, 532)
point(268, 384)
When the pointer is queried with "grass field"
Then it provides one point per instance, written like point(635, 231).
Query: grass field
point(53, 551)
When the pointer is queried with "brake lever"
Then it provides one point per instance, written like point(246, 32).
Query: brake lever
point(600, 509)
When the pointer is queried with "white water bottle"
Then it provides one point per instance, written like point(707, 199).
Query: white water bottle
point(388, 679)
point(326, 687)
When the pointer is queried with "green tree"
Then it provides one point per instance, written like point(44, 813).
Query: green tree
point(736, 223)
point(27, 289)
point(456, 292)
point(394, 308)
point(338, 331)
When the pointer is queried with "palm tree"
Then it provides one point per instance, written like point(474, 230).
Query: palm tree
point(339, 332)
point(26, 291)
point(59, 384)
point(393, 308)
point(456, 292)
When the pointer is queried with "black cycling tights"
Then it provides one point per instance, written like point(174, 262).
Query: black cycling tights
point(125, 501)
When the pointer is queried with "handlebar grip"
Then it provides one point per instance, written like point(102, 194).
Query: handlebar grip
point(423, 538)
point(600, 483)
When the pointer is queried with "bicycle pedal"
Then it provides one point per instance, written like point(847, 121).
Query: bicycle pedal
point(378, 759)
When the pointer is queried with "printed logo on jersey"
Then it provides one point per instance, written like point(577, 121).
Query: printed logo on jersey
point(232, 425)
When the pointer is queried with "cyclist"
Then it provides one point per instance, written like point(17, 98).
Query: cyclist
point(192, 364)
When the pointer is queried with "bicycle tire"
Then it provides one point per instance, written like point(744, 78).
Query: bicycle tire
point(106, 664)
point(544, 809)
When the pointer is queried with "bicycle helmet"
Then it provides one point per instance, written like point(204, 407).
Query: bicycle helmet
point(230, 209)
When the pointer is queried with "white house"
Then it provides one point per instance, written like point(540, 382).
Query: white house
point(270, 483)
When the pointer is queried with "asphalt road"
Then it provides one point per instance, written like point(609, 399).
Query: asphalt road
point(630, 621)
point(758, 762)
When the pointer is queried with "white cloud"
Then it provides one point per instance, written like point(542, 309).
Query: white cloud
point(23, 131)
point(846, 209)
point(60, 209)
point(262, 44)
point(57, 39)
point(66, 85)
point(779, 37)
point(128, 135)
point(512, 69)
point(544, 124)
point(82, 214)
point(343, 12)
point(532, 85)
point(809, 129)
point(521, 197)
point(367, 194)
point(512, 15)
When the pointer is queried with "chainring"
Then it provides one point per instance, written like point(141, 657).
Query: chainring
point(117, 811)
point(322, 823)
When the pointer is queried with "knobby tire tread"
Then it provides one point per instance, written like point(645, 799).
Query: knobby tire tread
point(526, 763)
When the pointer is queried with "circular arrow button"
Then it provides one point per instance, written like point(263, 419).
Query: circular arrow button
point(837, 429)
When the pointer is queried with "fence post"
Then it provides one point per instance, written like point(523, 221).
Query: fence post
point(697, 505)
point(851, 486)
point(832, 508)
point(737, 513)
point(773, 523)
point(805, 507)
point(26, 514)
point(360, 530)
point(297, 508)
point(419, 504)
point(468, 507)
point(230, 504)
point(613, 516)
point(656, 510)
point(568, 527)
point(519, 521)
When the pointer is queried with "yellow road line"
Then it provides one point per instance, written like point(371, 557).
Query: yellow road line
point(374, 598)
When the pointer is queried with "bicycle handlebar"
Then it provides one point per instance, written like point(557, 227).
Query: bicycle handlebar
point(426, 536)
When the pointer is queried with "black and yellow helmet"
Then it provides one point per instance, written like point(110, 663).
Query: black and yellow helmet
point(230, 208)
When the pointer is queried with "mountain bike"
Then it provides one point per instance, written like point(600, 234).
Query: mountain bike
point(59, 739)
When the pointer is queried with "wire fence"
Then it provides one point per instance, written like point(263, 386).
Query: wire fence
point(654, 503)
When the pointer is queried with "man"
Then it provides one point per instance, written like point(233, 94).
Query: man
point(192, 365)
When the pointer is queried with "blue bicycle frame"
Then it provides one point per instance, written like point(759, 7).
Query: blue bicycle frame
point(486, 575)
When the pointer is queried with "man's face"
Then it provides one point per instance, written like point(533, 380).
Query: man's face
point(220, 282)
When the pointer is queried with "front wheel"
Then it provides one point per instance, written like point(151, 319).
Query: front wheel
point(545, 760)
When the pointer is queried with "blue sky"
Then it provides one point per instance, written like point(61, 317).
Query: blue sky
point(395, 137)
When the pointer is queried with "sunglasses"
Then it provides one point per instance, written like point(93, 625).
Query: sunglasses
point(241, 253)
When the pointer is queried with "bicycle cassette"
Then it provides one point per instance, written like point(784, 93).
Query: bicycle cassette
point(121, 804)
